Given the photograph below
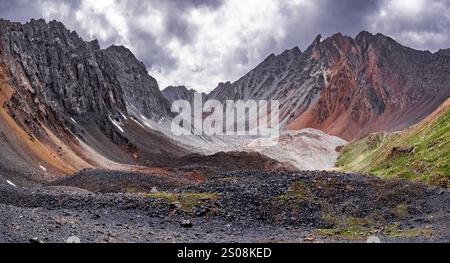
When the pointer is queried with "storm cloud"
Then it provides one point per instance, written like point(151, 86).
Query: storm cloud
point(200, 43)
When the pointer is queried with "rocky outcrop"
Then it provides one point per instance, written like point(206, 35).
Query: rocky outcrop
point(66, 104)
point(286, 77)
point(53, 69)
point(173, 93)
point(140, 90)
point(58, 76)
point(444, 52)
point(375, 84)
point(348, 86)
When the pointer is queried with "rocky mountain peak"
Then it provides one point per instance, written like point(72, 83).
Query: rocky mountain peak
point(337, 36)
point(124, 51)
point(444, 52)
point(291, 54)
point(57, 74)
point(388, 44)
point(363, 35)
point(348, 86)
point(94, 45)
point(37, 22)
point(269, 59)
point(317, 40)
point(363, 39)
point(173, 93)
point(335, 39)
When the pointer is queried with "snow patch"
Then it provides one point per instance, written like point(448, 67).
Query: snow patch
point(146, 122)
point(117, 125)
point(74, 121)
point(123, 116)
point(73, 240)
point(137, 122)
point(11, 183)
point(307, 149)
point(43, 168)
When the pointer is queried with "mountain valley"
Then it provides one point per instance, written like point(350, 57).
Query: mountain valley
point(87, 148)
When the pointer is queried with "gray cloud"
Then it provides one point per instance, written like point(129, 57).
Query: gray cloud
point(420, 24)
point(328, 17)
point(199, 43)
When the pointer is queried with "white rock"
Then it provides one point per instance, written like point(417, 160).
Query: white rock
point(125, 117)
point(11, 183)
point(73, 240)
point(373, 239)
point(117, 125)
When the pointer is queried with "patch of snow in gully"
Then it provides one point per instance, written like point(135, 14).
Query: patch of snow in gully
point(123, 116)
point(11, 183)
point(117, 125)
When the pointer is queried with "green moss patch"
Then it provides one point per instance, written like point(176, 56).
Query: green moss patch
point(420, 153)
point(350, 228)
point(395, 231)
point(296, 192)
point(186, 200)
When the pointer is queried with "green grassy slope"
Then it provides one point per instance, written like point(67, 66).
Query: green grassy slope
point(420, 153)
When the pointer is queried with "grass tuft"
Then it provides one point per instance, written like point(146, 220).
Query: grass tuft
point(187, 200)
point(420, 153)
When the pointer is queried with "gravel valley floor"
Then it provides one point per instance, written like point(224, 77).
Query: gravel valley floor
point(248, 206)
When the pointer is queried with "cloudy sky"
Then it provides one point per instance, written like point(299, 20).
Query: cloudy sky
point(200, 43)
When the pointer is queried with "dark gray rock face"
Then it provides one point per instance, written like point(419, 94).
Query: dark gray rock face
point(58, 68)
point(290, 77)
point(58, 75)
point(444, 52)
point(140, 90)
point(173, 93)
point(263, 81)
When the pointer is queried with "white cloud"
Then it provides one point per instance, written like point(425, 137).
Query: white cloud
point(227, 41)
point(405, 7)
point(230, 41)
